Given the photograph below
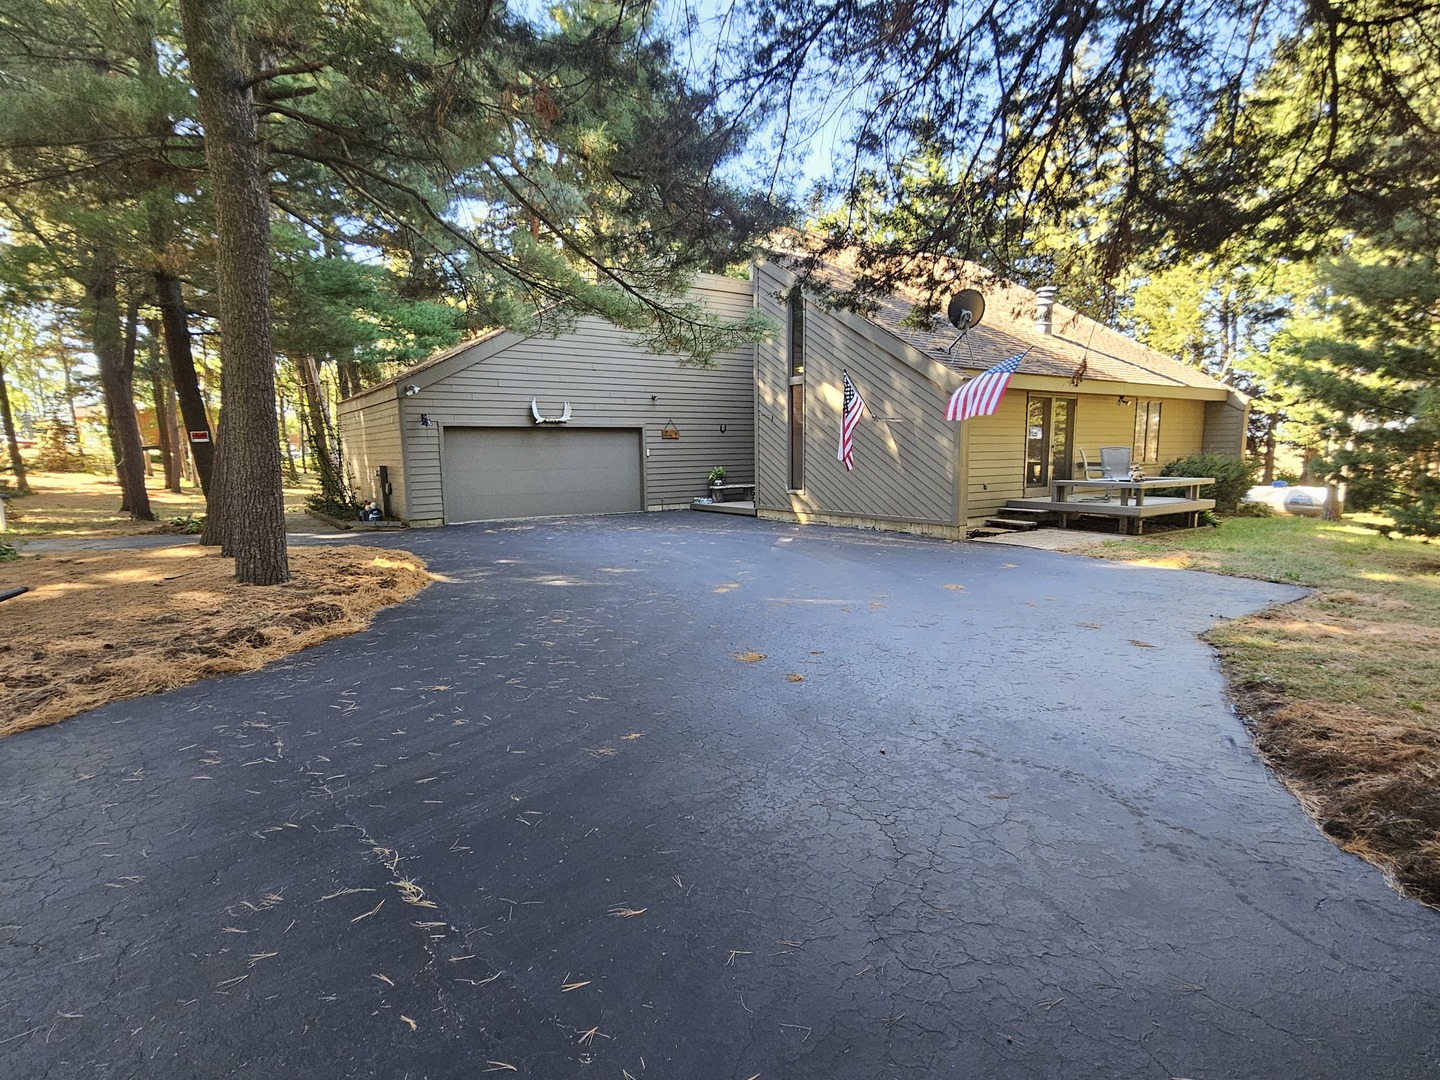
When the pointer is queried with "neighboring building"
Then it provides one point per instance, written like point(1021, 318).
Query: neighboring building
point(464, 445)
point(1081, 386)
point(643, 432)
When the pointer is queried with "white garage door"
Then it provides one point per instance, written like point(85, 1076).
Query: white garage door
point(494, 473)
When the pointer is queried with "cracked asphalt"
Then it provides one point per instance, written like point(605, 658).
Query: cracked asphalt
point(978, 812)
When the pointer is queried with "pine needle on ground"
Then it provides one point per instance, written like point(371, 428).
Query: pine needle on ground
point(103, 626)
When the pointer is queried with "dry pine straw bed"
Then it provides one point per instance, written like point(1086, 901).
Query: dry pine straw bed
point(1372, 785)
point(97, 627)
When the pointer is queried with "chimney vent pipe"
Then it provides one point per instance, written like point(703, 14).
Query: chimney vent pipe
point(1044, 305)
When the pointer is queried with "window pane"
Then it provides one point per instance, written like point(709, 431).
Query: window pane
point(1037, 441)
point(797, 436)
point(1152, 435)
point(1061, 440)
point(797, 332)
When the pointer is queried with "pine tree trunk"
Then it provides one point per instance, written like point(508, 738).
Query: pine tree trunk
point(117, 456)
point(184, 463)
point(163, 430)
point(164, 424)
point(112, 439)
point(170, 298)
point(132, 341)
point(332, 484)
point(247, 468)
point(349, 373)
point(12, 441)
point(64, 354)
point(286, 458)
point(116, 360)
point(304, 440)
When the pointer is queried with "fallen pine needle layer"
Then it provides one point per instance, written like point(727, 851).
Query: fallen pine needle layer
point(97, 627)
point(1371, 784)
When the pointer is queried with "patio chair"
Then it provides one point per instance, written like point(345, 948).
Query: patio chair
point(1115, 462)
point(1092, 472)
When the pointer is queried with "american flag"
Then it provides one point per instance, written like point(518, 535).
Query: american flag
point(981, 395)
point(849, 421)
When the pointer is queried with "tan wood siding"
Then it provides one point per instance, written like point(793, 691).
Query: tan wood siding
point(422, 456)
point(609, 381)
point(1103, 420)
point(1225, 423)
point(906, 455)
point(772, 433)
point(369, 438)
point(1182, 429)
point(997, 456)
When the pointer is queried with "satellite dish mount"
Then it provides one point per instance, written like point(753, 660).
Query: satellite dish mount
point(966, 309)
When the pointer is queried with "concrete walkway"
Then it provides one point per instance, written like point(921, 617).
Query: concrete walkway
point(695, 796)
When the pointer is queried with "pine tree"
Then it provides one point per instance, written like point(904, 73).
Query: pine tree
point(1367, 360)
point(561, 164)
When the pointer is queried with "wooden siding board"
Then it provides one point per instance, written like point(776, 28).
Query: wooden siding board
point(997, 456)
point(905, 453)
point(1225, 426)
point(1182, 429)
point(772, 460)
point(370, 437)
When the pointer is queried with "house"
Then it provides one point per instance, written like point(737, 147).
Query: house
point(1080, 386)
point(510, 426)
point(513, 426)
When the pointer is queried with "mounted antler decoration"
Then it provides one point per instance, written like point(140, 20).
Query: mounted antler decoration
point(561, 419)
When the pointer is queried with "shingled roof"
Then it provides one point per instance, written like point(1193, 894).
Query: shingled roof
point(1008, 327)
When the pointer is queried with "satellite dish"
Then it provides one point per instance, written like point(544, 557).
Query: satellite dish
point(967, 308)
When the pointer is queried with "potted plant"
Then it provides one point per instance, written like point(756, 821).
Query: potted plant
point(717, 477)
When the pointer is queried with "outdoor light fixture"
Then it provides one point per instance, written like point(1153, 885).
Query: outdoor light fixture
point(1122, 400)
point(425, 421)
point(411, 390)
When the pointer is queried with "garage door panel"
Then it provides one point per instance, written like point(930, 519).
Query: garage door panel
point(492, 473)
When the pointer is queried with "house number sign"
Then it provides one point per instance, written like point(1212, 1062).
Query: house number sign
point(670, 431)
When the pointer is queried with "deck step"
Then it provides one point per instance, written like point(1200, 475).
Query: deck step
point(1011, 524)
point(1022, 511)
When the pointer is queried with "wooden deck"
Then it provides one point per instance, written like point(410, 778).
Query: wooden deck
point(1129, 517)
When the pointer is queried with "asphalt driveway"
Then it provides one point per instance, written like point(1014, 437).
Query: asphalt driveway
point(683, 796)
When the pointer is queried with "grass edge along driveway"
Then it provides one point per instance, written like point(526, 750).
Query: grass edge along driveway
point(1341, 690)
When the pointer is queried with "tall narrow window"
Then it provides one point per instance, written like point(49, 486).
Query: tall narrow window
point(795, 354)
point(1147, 432)
point(797, 332)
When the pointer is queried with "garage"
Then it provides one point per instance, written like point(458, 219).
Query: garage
point(588, 421)
point(491, 473)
